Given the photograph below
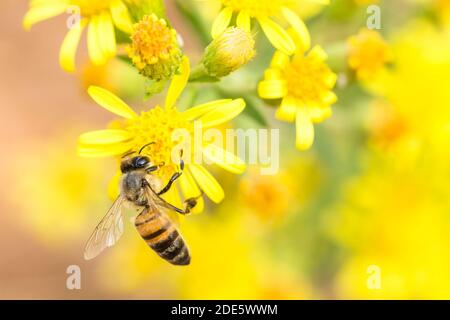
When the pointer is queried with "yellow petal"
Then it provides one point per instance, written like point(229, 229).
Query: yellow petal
point(304, 129)
point(319, 114)
point(272, 74)
point(221, 22)
point(319, 53)
point(243, 21)
point(272, 89)
point(42, 12)
point(190, 190)
point(111, 102)
point(178, 83)
point(279, 60)
point(107, 35)
point(96, 53)
point(207, 183)
point(69, 47)
point(222, 113)
point(300, 28)
point(121, 16)
point(107, 136)
point(197, 111)
point(102, 150)
point(329, 98)
point(288, 109)
point(224, 159)
point(279, 37)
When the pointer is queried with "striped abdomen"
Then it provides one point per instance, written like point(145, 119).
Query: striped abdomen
point(162, 236)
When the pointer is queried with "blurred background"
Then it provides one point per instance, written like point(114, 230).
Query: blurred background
point(371, 194)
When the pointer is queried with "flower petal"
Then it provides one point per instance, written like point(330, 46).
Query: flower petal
point(222, 113)
point(107, 136)
point(221, 22)
point(178, 83)
point(279, 37)
point(102, 150)
point(96, 53)
point(288, 109)
point(107, 34)
point(279, 60)
point(272, 89)
point(304, 129)
point(243, 21)
point(44, 11)
point(224, 159)
point(111, 102)
point(190, 190)
point(69, 47)
point(319, 114)
point(299, 27)
point(197, 111)
point(207, 183)
point(121, 16)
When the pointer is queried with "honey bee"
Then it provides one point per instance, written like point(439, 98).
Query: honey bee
point(138, 189)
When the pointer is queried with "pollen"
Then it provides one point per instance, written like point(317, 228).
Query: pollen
point(89, 7)
point(257, 8)
point(307, 78)
point(157, 126)
point(154, 49)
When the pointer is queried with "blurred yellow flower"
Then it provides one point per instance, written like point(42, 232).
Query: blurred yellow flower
point(157, 126)
point(61, 191)
point(154, 49)
point(396, 215)
point(264, 11)
point(228, 262)
point(101, 16)
point(368, 53)
point(269, 196)
point(304, 83)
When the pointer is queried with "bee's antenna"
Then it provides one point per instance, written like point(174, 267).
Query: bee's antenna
point(145, 146)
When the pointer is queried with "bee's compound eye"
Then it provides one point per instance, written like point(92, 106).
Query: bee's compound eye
point(140, 162)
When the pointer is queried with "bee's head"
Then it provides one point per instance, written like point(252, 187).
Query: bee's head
point(135, 163)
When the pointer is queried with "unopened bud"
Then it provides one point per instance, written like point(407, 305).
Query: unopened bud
point(228, 52)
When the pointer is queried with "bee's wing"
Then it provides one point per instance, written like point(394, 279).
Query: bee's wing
point(107, 232)
point(160, 202)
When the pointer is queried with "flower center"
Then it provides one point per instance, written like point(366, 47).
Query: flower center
point(306, 78)
point(257, 8)
point(91, 7)
point(157, 126)
point(154, 49)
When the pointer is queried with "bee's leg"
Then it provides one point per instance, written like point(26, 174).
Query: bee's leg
point(189, 204)
point(174, 177)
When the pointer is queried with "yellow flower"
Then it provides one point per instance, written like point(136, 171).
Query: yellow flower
point(264, 11)
point(304, 83)
point(367, 53)
point(154, 50)
point(100, 16)
point(157, 126)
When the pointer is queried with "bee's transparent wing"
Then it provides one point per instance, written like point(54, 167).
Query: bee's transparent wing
point(107, 232)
